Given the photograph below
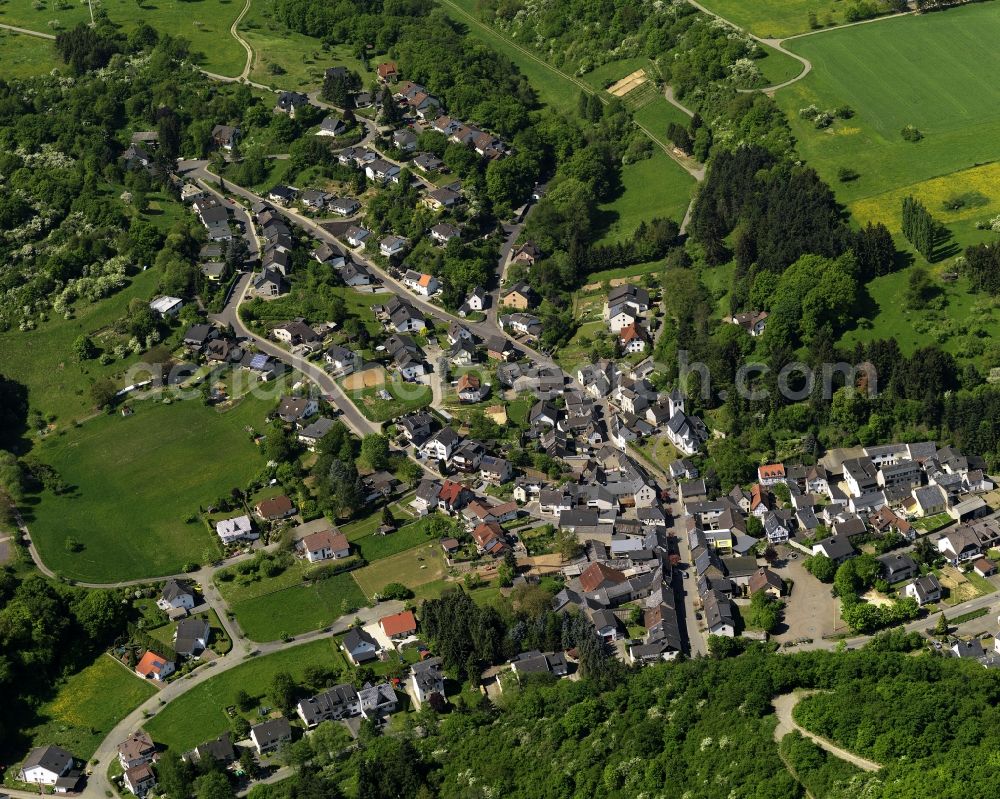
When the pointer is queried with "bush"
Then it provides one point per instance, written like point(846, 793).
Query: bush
point(910, 133)
point(845, 174)
point(396, 591)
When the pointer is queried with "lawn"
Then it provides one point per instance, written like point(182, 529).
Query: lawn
point(290, 60)
point(655, 187)
point(299, 608)
point(25, 56)
point(204, 23)
point(88, 704)
point(413, 568)
point(199, 714)
point(778, 18)
point(128, 511)
point(636, 270)
point(964, 327)
point(43, 360)
point(931, 524)
point(376, 547)
point(576, 353)
point(934, 71)
point(406, 397)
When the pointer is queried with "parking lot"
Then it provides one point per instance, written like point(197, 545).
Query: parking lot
point(809, 611)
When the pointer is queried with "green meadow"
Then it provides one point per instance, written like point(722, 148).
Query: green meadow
point(135, 481)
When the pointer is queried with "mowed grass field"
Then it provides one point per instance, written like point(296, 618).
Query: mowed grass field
point(204, 23)
point(935, 71)
point(24, 56)
point(775, 19)
point(200, 714)
point(136, 480)
point(299, 608)
point(413, 568)
point(88, 705)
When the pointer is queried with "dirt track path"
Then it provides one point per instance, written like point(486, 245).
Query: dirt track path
point(783, 707)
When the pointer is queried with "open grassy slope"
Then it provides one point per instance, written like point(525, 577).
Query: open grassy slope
point(136, 481)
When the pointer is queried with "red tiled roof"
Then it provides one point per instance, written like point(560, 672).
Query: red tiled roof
point(596, 574)
point(151, 663)
point(771, 470)
point(485, 531)
point(399, 623)
point(450, 491)
point(631, 332)
point(468, 381)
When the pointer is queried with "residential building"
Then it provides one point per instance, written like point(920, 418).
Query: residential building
point(175, 596)
point(325, 545)
point(360, 646)
point(399, 625)
point(135, 750)
point(924, 589)
point(270, 735)
point(427, 679)
point(152, 666)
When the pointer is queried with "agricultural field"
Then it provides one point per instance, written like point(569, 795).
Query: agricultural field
point(129, 512)
point(299, 608)
point(88, 705)
point(934, 72)
point(777, 67)
point(204, 23)
point(776, 19)
point(25, 56)
point(413, 568)
point(200, 714)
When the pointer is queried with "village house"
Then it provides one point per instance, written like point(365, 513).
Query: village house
point(422, 284)
point(519, 296)
point(391, 245)
point(399, 625)
point(139, 780)
point(191, 637)
point(444, 232)
point(359, 646)
point(324, 545)
point(293, 410)
point(270, 735)
point(357, 236)
point(469, 388)
point(753, 322)
point(175, 597)
point(136, 750)
point(152, 666)
point(427, 679)
point(50, 766)
point(344, 206)
point(924, 589)
point(238, 528)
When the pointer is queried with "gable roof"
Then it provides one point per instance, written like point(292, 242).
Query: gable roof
point(399, 623)
point(597, 575)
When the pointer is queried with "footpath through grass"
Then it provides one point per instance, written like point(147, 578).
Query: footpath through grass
point(136, 480)
point(200, 714)
point(88, 705)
